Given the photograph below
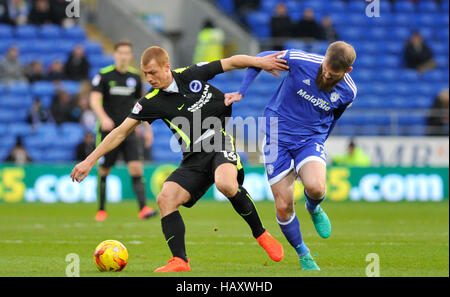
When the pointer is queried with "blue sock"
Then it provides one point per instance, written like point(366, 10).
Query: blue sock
point(311, 204)
point(291, 230)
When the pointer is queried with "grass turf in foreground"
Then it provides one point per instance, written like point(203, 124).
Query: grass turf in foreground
point(411, 239)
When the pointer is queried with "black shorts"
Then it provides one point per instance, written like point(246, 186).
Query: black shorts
point(196, 172)
point(130, 148)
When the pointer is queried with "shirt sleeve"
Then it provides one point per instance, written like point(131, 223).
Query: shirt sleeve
point(145, 110)
point(203, 71)
point(98, 84)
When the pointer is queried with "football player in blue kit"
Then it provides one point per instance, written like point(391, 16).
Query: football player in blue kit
point(299, 118)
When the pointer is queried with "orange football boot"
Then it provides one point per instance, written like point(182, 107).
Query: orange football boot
point(100, 216)
point(273, 248)
point(174, 265)
point(147, 212)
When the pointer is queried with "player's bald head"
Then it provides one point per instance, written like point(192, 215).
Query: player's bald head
point(156, 53)
point(340, 55)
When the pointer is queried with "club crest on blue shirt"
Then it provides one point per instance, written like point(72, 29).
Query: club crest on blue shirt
point(334, 97)
point(131, 82)
point(195, 86)
point(270, 169)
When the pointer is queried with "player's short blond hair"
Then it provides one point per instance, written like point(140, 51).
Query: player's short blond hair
point(340, 55)
point(155, 53)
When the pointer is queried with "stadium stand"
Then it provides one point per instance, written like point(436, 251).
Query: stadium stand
point(386, 89)
point(391, 100)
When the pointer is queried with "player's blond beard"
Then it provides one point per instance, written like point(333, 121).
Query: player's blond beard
point(329, 84)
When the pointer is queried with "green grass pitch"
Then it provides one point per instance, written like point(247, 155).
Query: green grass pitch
point(411, 239)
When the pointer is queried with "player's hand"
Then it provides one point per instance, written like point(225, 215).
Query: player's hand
point(230, 98)
point(273, 63)
point(80, 171)
point(106, 124)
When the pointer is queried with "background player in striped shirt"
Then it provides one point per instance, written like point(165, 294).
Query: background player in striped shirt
point(300, 117)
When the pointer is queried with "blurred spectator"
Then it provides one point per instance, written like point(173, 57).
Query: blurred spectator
point(86, 147)
point(281, 26)
point(16, 11)
point(35, 72)
point(438, 120)
point(144, 134)
point(56, 71)
point(243, 7)
point(307, 27)
point(87, 117)
point(210, 45)
point(58, 13)
point(355, 157)
point(77, 66)
point(40, 13)
point(62, 107)
point(328, 32)
point(38, 114)
point(417, 54)
point(10, 67)
point(4, 12)
point(18, 155)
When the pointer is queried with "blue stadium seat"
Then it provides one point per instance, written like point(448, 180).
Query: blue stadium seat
point(336, 6)
point(49, 32)
point(26, 31)
point(92, 48)
point(100, 61)
point(42, 88)
point(427, 20)
point(399, 33)
point(357, 6)
point(444, 6)
point(3, 129)
point(393, 46)
point(436, 75)
point(19, 89)
point(268, 6)
point(259, 23)
point(20, 129)
point(72, 131)
point(72, 87)
point(402, 19)
point(35, 153)
point(442, 61)
point(427, 6)
point(366, 61)
point(390, 61)
point(6, 31)
point(5, 44)
point(439, 47)
point(75, 33)
point(226, 5)
point(428, 33)
point(408, 76)
point(295, 44)
point(404, 6)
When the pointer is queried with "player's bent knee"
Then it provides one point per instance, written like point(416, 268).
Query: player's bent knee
point(229, 189)
point(285, 209)
point(316, 190)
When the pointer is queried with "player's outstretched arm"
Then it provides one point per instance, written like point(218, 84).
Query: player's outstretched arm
point(270, 63)
point(111, 141)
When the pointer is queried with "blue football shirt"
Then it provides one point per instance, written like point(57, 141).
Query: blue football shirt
point(303, 110)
